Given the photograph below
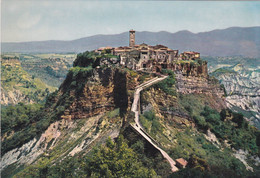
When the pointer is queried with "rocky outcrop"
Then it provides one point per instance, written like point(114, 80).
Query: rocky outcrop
point(243, 91)
point(86, 99)
point(61, 139)
point(14, 97)
point(28, 152)
point(187, 67)
point(201, 85)
point(191, 69)
point(103, 90)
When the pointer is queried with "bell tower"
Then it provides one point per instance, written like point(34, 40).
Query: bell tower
point(131, 38)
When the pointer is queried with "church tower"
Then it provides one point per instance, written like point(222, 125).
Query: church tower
point(131, 38)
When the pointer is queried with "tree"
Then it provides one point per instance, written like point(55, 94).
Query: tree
point(115, 160)
point(239, 119)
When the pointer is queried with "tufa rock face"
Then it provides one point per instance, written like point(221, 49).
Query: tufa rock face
point(100, 91)
point(205, 86)
point(188, 69)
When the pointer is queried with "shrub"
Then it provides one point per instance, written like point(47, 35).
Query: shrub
point(85, 59)
point(167, 84)
point(236, 130)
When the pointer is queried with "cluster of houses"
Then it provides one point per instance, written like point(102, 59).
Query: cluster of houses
point(146, 57)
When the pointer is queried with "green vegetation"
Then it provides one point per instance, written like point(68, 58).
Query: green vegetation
point(50, 68)
point(191, 62)
point(20, 124)
point(14, 118)
point(113, 113)
point(191, 104)
point(167, 84)
point(205, 157)
point(218, 62)
point(230, 126)
point(222, 71)
point(75, 80)
point(226, 125)
point(35, 119)
point(85, 59)
point(109, 160)
point(79, 70)
point(90, 58)
point(15, 79)
point(151, 123)
point(247, 114)
point(151, 158)
point(7, 57)
point(197, 62)
point(181, 140)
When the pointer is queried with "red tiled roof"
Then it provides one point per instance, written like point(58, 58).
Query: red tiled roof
point(123, 47)
point(190, 52)
point(182, 161)
point(102, 48)
point(160, 46)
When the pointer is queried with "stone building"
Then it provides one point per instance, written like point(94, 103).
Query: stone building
point(181, 163)
point(190, 55)
point(131, 38)
point(146, 57)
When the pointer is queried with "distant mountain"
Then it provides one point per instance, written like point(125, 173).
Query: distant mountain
point(232, 41)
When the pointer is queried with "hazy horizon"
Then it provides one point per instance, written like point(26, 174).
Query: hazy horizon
point(24, 21)
point(126, 32)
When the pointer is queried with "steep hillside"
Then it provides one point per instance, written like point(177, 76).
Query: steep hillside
point(19, 86)
point(187, 129)
point(242, 89)
point(90, 106)
point(69, 136)
point(232, 41)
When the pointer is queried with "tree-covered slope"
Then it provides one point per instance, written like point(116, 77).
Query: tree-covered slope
point(50, 68)
point(19, 86)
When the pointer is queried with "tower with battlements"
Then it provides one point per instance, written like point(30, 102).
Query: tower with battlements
point(131, 38)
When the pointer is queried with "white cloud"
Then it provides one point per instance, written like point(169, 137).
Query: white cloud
point(27, 20)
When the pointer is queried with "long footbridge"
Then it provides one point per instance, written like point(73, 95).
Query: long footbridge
point(138, 127)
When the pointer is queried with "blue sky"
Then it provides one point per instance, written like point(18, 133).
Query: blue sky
point(67, 20)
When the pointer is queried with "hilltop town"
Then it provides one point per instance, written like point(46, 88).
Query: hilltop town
point(151, 102)
point(150, 58)
point(154, 59)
